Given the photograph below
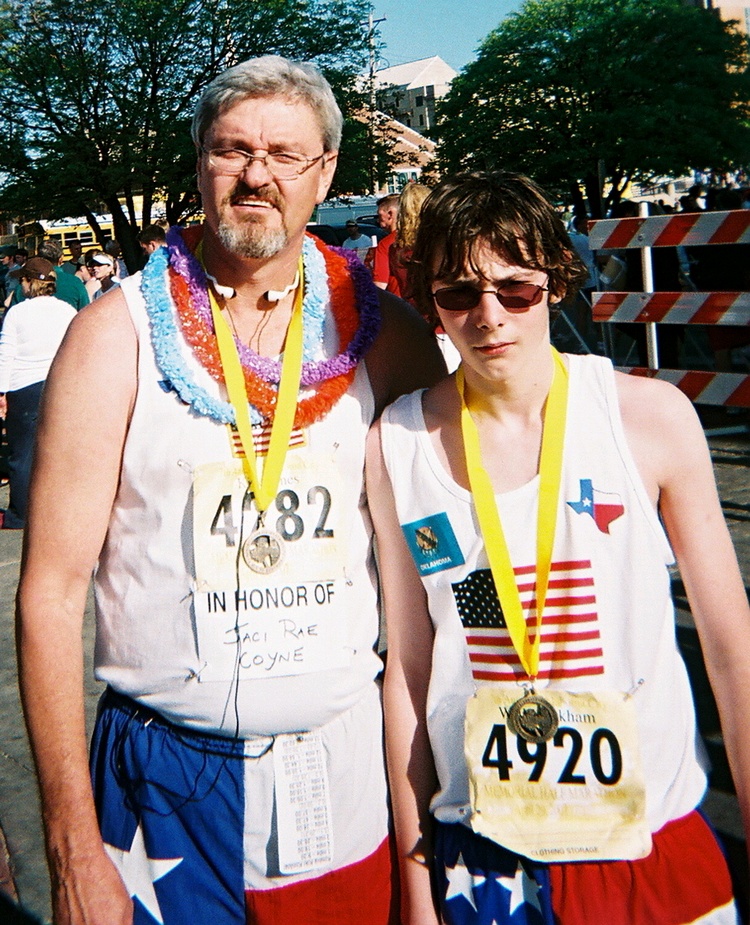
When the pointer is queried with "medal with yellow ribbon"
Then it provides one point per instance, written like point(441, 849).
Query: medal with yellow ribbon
point(263, 549)
point(532, 717)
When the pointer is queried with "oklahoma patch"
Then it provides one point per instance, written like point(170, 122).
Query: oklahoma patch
point(433, 544)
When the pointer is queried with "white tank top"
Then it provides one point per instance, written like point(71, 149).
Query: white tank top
point(608, 620)
point(151, 644)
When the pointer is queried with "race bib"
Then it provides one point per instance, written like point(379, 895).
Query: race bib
point(269, 601)
point(578, 796)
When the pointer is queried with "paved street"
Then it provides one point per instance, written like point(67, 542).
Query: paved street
point(19, 811)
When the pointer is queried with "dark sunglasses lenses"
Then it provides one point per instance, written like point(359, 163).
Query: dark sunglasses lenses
point(515, 297)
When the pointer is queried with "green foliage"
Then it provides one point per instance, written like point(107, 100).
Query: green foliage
point(96, 97)
point(588, 91)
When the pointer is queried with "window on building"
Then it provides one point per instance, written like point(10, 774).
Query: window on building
point(421, 120)
point(419, 101)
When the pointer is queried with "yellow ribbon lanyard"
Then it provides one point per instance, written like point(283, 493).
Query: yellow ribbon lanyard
point(550, 473)
point(264, 491)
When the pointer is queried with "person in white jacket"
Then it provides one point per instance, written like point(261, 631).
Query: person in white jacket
point(32, 331)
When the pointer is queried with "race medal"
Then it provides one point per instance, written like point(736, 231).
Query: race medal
point(578, 794)
point(263, 551)
point(533, 718)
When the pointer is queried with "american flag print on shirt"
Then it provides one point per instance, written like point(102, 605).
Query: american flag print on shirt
point(571, 644)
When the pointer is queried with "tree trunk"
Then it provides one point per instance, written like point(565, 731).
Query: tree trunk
point(125, 235)
point(594, 194)
point(579, 203)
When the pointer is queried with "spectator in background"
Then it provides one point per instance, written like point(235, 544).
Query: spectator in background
point(361, 243)
point(6, 260)
point(578, 232)
point(387, 218)
point(399, 254)
point(407, 221)
point(579, 238)
point(76, 251)
point(84, 274)
point(102, 268)
point(115, 252)
point(724, 268)
point(12, 277)
point(70, 289)
point(151, 238)
point(32, 331)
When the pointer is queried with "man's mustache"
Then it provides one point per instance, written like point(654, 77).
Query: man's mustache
point(265, 193)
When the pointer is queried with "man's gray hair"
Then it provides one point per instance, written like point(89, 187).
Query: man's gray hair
point(50, 250)
point(270, 75)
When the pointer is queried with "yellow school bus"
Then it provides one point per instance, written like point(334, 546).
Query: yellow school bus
point(31, 234)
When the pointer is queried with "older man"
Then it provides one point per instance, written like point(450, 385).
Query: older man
point(222, 401)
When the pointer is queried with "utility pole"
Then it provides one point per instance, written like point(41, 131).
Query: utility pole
point(371, 23)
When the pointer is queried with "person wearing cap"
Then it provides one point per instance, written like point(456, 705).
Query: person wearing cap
point(69, 288)
point(360, 243)
point(32, 332)
point(115, 252)
point(18, 257)
point(101, 268)
point(6, 258)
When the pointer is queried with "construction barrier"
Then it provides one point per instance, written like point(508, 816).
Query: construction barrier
point(711, 308)
point(688, 228)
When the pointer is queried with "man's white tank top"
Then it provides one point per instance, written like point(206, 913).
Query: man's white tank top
point(162, 630)
point(608, 620)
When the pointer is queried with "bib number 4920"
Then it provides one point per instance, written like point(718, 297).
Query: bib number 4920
point(603, 753)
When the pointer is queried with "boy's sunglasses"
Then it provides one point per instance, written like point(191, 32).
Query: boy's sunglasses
point(514, 297)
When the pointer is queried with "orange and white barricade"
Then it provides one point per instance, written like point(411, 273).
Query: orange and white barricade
point(651, 308)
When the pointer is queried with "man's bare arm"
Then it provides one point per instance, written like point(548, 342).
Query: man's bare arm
point(85, 412)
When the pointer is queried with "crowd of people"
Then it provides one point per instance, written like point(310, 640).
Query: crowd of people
point(384, 642)
point(41, 294)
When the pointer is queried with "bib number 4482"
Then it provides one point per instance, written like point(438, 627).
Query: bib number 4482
point(290, 523)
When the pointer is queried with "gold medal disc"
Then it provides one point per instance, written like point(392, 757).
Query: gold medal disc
point(533, 718)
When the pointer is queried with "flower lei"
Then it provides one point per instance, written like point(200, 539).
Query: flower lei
point(331, 272)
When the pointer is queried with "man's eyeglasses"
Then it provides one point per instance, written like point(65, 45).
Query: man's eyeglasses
point(283, 165)
point(514, 297)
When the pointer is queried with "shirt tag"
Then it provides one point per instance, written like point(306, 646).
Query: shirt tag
point(303, 803)
point(580, 796)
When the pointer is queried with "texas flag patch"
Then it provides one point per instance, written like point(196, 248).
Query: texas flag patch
point(604, 507)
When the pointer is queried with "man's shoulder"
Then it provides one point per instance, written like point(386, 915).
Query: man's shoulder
point(405, 355)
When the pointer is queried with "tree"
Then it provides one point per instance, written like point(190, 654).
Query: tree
point(96, 97)
point(596, 93)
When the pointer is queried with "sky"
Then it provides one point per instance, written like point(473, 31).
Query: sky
point(415, 29)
